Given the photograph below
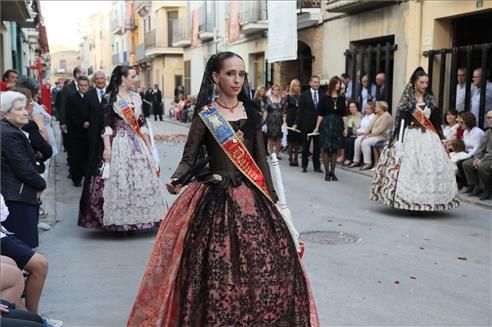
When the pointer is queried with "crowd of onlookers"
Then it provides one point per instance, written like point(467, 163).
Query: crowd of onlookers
point(27, 144)
point(290, 117)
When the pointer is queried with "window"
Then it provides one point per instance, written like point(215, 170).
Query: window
point(187, 77)
point(63, 65)
point(178, 80)
point(258, 74)
point(172, 24)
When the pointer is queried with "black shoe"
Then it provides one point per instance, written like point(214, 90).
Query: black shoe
point(318, 170)
point(304, 170)
point(77, 184)
point(484, 196)
point(327, 178)
point(476, 191)
point(334, 178)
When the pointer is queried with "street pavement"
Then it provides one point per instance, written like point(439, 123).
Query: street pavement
point(368, 265)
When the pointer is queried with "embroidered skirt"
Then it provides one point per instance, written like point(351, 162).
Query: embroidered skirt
point(423, 181)
point(223, 257)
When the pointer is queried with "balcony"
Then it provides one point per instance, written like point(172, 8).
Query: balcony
point(253, 17)
point(115, 59)
point(149, 39)
point(308, 13)
point(125, 57)
point(14, 11)
point(357, 6)
point(181, 36)
point(143, 7)
point(140, 53)
point(119, 26)
point(155, 48)
point(206, 32)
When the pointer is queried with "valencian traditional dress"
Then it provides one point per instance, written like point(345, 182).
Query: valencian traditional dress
point(223, 255)
point(415, 173)
point(131, 198)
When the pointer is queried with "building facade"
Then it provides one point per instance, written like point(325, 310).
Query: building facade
point(23, 39)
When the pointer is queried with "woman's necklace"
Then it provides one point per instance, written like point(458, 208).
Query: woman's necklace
point(334, 102)
point(231, 109)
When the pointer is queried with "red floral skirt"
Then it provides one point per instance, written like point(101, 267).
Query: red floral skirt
point(223, 257)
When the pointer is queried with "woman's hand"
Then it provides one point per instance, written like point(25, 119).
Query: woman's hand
point(107, 154)
point(345, 132)
point(4, 308)
point(173, 189)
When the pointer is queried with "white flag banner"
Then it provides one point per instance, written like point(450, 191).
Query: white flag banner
point(282, 31)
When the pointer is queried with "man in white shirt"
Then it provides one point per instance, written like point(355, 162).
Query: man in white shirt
point(461, 90)
point(475, 99)
point(366, 94)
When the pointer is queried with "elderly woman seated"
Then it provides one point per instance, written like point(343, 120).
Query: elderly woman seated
point(376, 132)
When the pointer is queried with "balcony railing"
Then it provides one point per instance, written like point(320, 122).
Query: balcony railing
point(149, 39)
point(17, 11)
point(308, 4)
point(356, 6)
point(140, 54)
point(206, 32)
point(181, 36)
point(116, 59)
point(253, 11)
point(118, 26)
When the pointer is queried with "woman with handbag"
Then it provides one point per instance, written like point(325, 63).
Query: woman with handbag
point(129, 196)
point(224, 255)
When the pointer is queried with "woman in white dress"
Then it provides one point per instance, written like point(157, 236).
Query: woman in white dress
point(131, 197)
point(414, 171)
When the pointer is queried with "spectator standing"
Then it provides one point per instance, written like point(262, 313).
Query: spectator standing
point(416, 173)
point(147, 103)
point(268, 89)
point(478, 170)
point(381, 93)
point(156, 97)
point(273, 116)
point(306, 123)
point(259, 101)
point(294, 139)
point(475, 99)
point(366, 94)
point(332, 119)
point(461, 89)
point(68, 90)
point(78, 123)
point(20, 182)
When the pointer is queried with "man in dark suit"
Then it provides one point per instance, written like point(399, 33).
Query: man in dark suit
point(306, 122)
point(68, 91)
point(381, 89)
point(78, 122)
point(156, 102)
point(97, 109)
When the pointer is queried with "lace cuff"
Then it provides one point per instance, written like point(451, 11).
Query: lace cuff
point(107, 131)
point(144, 130)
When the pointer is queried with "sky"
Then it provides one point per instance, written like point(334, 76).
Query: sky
point(62, 18)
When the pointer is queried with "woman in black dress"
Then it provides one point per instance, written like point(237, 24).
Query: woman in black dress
point(291, 106)
point(274, 118)
point(332, 116)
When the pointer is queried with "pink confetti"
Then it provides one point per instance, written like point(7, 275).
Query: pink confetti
point(397, 282)
point(427, 239)
point(340, 225)
point(464, 275)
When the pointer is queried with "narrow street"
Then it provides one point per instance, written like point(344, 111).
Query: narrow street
point(388, 268)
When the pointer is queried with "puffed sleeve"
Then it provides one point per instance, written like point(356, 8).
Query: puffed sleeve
point(191, 150)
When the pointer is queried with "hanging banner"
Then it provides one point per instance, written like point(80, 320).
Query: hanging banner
point(282, 31)
point(195, 22)
point(234, 27)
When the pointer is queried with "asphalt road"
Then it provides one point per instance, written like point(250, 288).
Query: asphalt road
point(368, 265)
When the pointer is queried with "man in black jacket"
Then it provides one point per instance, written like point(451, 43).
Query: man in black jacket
point(156, 102)
point(67, 92)
point(78, 122)
point(96, 102)
point(306, 122)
